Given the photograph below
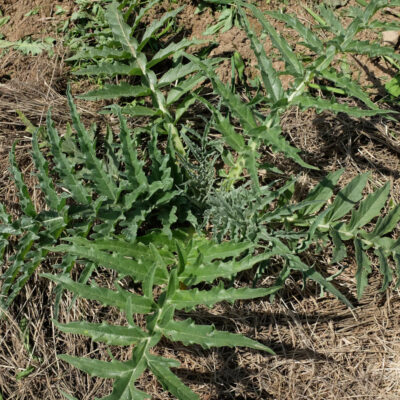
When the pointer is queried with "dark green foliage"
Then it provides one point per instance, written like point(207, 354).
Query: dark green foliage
point(110, 195)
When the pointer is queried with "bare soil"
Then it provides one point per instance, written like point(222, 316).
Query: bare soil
point(324, 351)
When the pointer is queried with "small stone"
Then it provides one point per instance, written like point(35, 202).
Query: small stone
point(390, 38)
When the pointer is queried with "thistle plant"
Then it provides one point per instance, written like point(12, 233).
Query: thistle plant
point(176, 265)
point(259, 118)
point(134, 202)
point(287, 228)
point(92, 196)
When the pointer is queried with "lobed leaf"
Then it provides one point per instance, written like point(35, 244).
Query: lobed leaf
point(110, 91)
point(118, 298)
point(207, 336)
point(110, 334)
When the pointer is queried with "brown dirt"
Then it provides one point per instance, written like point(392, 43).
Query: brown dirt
point(324, 351)
point(38, 25)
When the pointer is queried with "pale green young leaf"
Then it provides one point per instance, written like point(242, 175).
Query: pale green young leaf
point(110, 334)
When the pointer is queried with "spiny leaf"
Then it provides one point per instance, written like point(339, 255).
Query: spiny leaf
point(105, 333)
point(136, 174)
point(305, 101)
point(110, 91)
point(311, 273)
point(193, 297)
point(323, 191)
point(156, 25)
point(107, 69)
point(46, 183)
point(161, 369)
point(363, 269)
point(207, 336)
point(139, 111)
point(385, 224)
point(104, 183)
point(102, 369)
point(103, 53)
point(121, 30)
point(10, 275)
point(369, 208)
point(311, 40)
point(63, 166)
point(333, 23)
point(279, 42)
point(269, 75)
point(123, 388)
point(171, 49)
point(385, 269)
point(201, 272)
point(349, 86)
point(339, 252)
point(25, 200)
point(118, 298)
point(347, 198)
point(128, 267)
